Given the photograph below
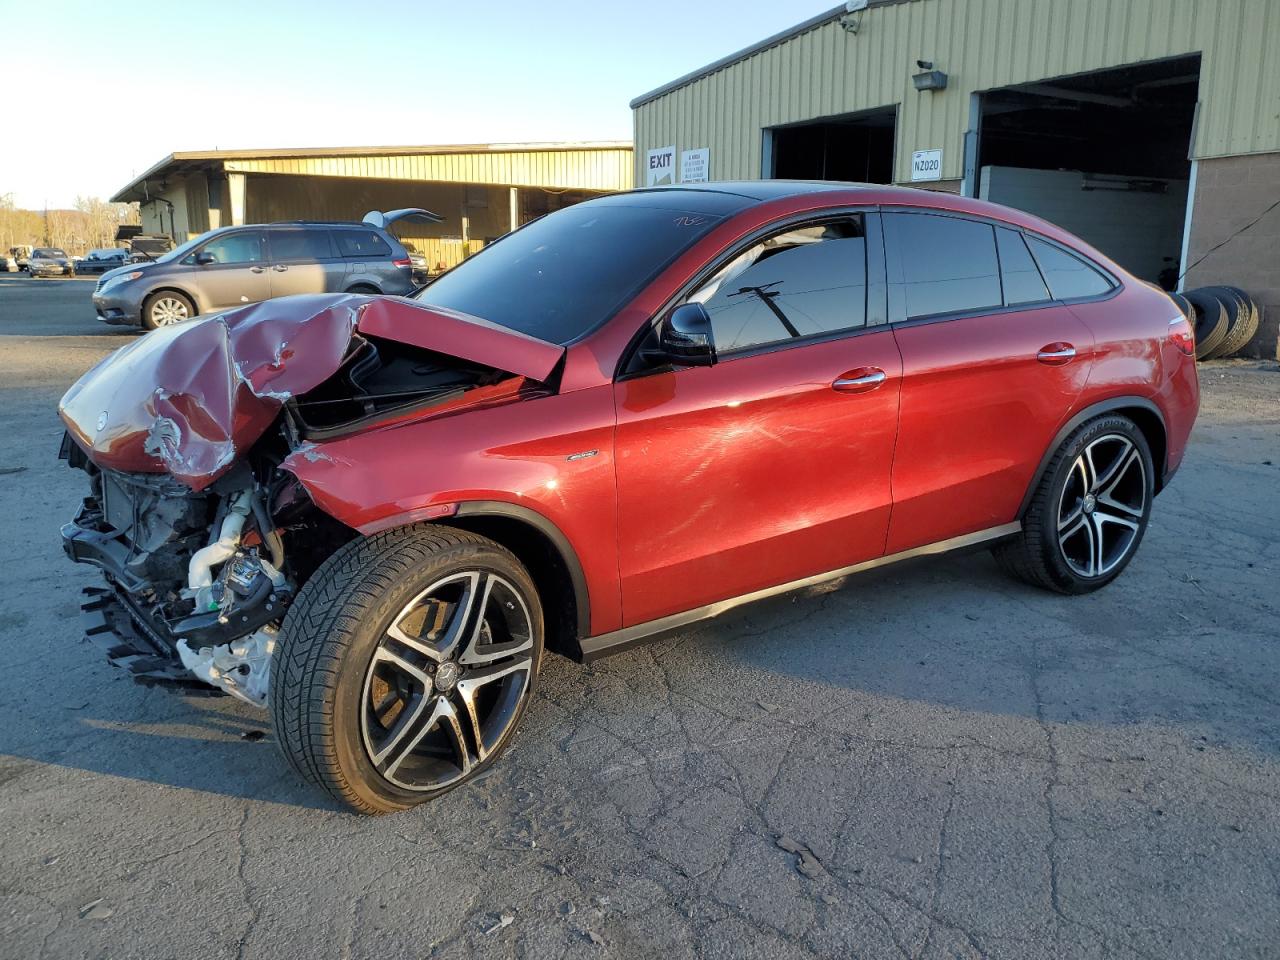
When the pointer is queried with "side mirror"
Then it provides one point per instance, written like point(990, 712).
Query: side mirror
point(204, 259)
point(685, 336)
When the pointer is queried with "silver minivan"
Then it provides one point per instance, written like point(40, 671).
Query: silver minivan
point(233, 266)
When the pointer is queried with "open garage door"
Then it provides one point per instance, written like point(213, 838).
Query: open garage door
point(856, 147)
point(1104, 155)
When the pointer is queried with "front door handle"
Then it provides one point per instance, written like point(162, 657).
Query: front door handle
point(257, 269)
point(861, 380)
point(280, 268)
point(1056, 354)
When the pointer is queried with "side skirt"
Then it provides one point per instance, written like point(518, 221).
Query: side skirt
point(607, 644)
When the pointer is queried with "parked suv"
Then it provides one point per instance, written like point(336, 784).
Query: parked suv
point(232, 266)
point(372, 515)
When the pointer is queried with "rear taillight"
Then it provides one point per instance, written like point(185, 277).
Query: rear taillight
point(406, 262)
point(1182, 335)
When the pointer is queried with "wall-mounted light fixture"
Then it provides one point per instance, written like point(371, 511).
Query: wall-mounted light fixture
point(852, 19)
point(930, 79)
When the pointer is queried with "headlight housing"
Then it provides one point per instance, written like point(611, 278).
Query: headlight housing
point(122, 277)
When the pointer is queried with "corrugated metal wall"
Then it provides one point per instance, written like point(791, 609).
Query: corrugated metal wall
point(608, 169)
point(980, 44)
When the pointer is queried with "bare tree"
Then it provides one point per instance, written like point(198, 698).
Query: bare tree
point(18, 226)
point(102, 219)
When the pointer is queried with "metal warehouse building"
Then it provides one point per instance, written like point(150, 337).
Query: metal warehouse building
point(481, 190)
point(1151, 128)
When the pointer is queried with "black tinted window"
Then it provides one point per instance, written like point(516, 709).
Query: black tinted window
point(361, 243)
point(563, 275)
point(300, 244)
point(1067, 275)
point(235, 248)
point(805, 281)
point(1022, 280)
point(943, 264)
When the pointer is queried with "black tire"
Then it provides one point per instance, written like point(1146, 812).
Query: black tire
point(1235, 309)
point(158, 302)
point(324, 665)
point(1211, 321)
point(1245, 324)
point(1185, 306)
point(1045, 556)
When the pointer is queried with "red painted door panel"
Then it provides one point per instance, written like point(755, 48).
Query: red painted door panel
point(980, 406)
point(753, 472)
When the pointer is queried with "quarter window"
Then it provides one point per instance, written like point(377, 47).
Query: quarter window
point(807, 281)
point(235, 248)
point(943, 265)
point(1068, 276)
point(300, 245)
point(362, 243)
point(1021, 277)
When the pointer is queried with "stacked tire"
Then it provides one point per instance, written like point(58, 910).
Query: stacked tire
point(1225, 319)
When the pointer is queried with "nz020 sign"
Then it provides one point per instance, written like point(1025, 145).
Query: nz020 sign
point(926, 165)
point(660, 166)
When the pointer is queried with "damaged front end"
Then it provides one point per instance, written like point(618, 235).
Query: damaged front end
point(194, 580)
point(202, 535)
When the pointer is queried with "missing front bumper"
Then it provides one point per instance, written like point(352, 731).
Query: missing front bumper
point(132, 644)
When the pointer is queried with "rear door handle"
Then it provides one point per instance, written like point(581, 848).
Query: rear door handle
point(861, 380)
point(280, 268)
point(1056, 354)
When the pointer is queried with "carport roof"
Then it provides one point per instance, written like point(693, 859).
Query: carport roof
point(588, 165)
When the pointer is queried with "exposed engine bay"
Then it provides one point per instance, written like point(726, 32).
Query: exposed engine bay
point(203, 535)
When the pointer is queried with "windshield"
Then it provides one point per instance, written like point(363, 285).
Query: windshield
point(560, 277)
point(178, 252)
point(48, 252)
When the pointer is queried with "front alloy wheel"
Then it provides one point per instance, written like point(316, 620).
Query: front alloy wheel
point(405, 664)
point(167, 310)
point(447, 679)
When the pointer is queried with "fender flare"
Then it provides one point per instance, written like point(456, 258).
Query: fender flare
point(1083, 416)
point(513, 511)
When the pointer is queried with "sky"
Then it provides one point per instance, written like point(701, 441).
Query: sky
point(109, 89)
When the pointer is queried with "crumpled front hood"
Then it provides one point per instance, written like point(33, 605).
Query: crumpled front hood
point(190, 398)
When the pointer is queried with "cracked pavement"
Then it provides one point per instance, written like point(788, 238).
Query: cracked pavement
point(927, 761)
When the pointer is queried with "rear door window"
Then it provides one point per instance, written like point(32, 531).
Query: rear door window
point(1019, 273)
point(300, 244)
point(940, 265)
point(1068, 276)
point(361, 243)
point(803, 282)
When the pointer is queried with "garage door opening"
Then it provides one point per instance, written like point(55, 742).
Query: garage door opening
point(856, 147)
point(1104, 155)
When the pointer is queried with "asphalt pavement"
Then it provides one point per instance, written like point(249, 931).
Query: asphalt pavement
point(927, 761)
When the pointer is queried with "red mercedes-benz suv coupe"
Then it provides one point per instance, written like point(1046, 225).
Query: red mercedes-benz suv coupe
point(372, 515)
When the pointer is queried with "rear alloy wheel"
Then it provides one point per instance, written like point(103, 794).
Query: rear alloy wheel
point(1102, 506)
point(405, 665)
point(165, 309)
point(1089, 511)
